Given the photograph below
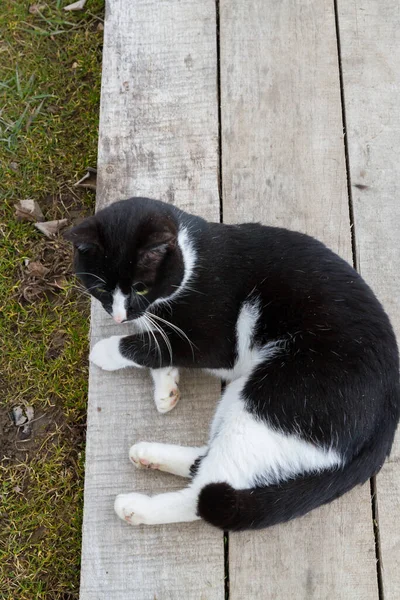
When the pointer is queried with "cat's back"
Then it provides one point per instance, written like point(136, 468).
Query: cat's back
point(307, 284)
point(330, 322)
point(337, 367)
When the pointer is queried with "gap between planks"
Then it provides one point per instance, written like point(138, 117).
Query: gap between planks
point(374, 498)
point(221, 220)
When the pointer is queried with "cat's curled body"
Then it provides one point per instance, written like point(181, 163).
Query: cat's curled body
point(312, 400)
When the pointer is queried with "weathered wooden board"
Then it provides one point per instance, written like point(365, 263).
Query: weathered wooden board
point(159, 137)
point(370, 44)
point(283, 163)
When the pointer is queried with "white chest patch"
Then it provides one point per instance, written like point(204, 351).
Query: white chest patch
point(119, 306)
point(189, 260)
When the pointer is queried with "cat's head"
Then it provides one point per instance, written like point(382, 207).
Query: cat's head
point(130, 255)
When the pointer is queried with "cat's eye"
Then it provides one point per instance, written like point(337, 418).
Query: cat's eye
point(140, 289)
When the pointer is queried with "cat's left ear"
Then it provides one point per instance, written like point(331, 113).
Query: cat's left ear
point(85, 236)
point(157, 245)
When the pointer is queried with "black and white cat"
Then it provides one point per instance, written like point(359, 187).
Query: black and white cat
point(312, 402)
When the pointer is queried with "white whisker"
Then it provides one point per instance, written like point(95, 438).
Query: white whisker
point(146, 331)
point(82, 290)
point(142, 301)
point(190, 289)
point(179, 331)
point(167, 304)
point(163, 335)
point(92, 275)
point(156, 342)
point(92, 287)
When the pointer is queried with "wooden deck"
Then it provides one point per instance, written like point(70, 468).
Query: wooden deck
point(285, 112)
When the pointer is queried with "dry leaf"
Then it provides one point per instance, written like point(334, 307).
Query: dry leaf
point(75, 5)
point(28, 210)
point(51, 228)
point(89, 180)
point(100, 27)
point(56, 256)
point(34, 9)
point(36, 269)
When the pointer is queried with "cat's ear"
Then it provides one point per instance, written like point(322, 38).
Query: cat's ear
point(156, 245)
point(84, 236)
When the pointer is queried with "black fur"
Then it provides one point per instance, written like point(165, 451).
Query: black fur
point(335, 382)
point(195, 466)
point(221, 505)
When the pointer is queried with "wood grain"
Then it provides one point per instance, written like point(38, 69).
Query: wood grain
point(370, 48)
point(158, 137)
point(283, 163)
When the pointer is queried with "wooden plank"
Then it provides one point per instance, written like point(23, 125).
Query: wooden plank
point(370, 49)
point(283, 163)
point(159, 137)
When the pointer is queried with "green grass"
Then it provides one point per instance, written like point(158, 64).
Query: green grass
point(50, 68)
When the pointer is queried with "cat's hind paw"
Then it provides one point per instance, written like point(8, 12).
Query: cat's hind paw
point(132, 508)
point(144, 455)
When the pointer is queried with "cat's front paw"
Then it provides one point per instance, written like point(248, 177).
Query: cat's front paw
point(106, 355)
point(133, 508)
point(166, 391)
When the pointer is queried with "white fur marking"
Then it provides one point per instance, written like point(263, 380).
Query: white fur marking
point(189, 260)
point(245, 451)
point(106, 355)
point(248, 354)
point(119, 306)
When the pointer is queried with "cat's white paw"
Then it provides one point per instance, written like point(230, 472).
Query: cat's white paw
point(166, 391)
point(133, 508)
point(106, 355)
point(167, 403)
point(144, 455)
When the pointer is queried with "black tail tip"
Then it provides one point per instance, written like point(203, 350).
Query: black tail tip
point(218, 505)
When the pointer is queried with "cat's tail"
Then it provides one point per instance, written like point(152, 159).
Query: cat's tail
point(258, 507)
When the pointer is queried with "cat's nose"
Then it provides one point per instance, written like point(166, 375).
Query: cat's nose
point(118, 306)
